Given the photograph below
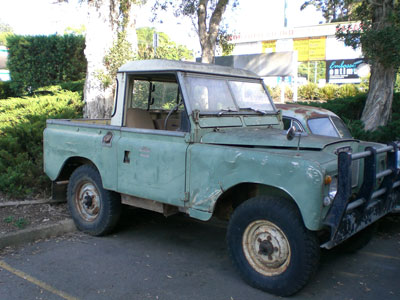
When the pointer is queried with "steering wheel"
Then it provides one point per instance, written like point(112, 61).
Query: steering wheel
point(174, 109)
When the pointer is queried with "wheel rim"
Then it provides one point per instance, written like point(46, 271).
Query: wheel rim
point(87, 201)
point(266, 248)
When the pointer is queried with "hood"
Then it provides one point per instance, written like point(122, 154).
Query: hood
point(272, 138)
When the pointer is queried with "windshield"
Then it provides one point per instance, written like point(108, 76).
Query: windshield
point(322, 126)
point(226, 95)
point(341, 127)
point(329, 126)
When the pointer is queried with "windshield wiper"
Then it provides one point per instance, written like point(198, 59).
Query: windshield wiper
point(255, 109)
point(222, 111)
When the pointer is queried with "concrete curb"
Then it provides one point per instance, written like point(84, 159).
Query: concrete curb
point(40, 232)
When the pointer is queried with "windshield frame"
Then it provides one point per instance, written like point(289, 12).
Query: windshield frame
point(225, 112)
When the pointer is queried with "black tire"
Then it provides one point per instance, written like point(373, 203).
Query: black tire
point(94, 209)
point(288, 254)
point(357, 241)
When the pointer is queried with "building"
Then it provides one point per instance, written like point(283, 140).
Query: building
point(4, 73)
point(321, 57)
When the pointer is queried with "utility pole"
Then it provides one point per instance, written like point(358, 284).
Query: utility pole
point(284, 14)
point(155, 43)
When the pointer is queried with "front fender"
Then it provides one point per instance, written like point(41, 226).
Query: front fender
point(214, 169)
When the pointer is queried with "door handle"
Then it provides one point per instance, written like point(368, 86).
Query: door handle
point(107, 139)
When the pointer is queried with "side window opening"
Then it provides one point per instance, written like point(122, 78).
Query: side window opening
point(156, 103)
point(288, 122)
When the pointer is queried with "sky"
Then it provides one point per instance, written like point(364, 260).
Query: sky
point(43, 17)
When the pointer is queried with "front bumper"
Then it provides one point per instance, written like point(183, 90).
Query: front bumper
point(351, 213)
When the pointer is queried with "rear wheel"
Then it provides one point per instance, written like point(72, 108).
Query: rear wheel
point(270, 245)
point(94, 209)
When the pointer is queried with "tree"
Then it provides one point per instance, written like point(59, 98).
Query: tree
point(110, 42)
point(379, 37)
point(166, 48)
point(206, 16)
point(5, 31)
point(332, 10)
point(75, 31)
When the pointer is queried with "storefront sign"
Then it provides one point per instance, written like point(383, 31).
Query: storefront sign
point(310, 49)
point(268, 46)
point(343, 71)
point(317, 47)
point(302, 48)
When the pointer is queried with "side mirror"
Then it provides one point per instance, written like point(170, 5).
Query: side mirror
point(291, 133)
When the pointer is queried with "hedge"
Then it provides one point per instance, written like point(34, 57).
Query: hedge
point(22, 121)
point(36, 61)
point(5, 90)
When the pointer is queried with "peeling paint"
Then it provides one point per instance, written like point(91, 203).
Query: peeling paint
point(314, 174)
point(264, 161)
point(200, 201)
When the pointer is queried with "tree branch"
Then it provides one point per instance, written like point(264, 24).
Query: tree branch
point(216, 19)
point(202, 21)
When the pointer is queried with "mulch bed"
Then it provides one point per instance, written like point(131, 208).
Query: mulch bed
point(19, 216)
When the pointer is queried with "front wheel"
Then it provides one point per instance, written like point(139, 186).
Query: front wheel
point(93, 209)
point(270, 245)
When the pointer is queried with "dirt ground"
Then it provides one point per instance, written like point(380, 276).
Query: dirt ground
point(18, 217)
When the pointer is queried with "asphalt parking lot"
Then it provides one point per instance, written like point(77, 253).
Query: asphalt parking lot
point(152, 257)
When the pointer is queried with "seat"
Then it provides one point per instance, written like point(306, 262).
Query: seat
point(139, 118)
point(173, 124)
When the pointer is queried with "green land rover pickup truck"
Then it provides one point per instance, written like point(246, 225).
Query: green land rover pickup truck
point(207, 141)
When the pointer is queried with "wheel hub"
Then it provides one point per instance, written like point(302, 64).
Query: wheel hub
point(266, 247)
point(87, 201)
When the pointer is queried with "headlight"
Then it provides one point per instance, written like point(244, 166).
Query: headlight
point(398, 159)
point(333, 187)
point(332, 182)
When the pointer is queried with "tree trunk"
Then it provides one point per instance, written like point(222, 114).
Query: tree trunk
point(208, 38)
point(208, 53)
point(101, 32)
point(378, 106)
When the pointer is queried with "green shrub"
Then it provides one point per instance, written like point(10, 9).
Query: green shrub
point(347, 90)
point(36, 61)
point(288, 93)
point(22, 121)
point(308, 91)
point(73, 86)
point(328, 92)
point(5, 90)
point(276, 93)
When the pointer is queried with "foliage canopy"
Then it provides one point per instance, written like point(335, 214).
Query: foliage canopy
point(207, 19)
point(166, 48)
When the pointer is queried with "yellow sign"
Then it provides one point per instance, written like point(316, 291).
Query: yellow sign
point(317, 47)
point(301, 46)
point(268, 46)
point(310, 49)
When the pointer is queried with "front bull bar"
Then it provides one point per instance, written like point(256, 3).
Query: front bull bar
point(351, 213)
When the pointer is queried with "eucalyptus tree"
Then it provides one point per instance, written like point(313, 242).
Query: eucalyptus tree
point(110, 42)
point(379, 37)
point(206, 16)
